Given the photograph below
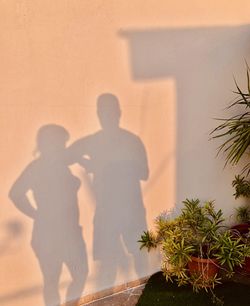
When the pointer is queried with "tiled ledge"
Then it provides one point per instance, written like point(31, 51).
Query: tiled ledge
point(129, 297)
point(105, 293)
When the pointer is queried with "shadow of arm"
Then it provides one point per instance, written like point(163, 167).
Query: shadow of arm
point(78, 153)
point(18, 194)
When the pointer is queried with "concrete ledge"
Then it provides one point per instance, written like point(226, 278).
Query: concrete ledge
point(107, 292)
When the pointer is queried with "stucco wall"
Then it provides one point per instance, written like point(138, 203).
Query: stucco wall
point(168, 65)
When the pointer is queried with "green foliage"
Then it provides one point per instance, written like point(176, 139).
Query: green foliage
point(148, 240)
point(158, 292)
point(198, 231)
point(242, 187)
point(235, 132)
point(236, 129)
point(230, 251)
point(243, 214)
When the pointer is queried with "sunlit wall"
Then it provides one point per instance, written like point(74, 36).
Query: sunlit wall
point(166, 68)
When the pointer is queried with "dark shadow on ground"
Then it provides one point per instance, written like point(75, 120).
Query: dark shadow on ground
point(161, 293)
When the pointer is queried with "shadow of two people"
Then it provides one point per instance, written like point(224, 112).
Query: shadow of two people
point(116, 161)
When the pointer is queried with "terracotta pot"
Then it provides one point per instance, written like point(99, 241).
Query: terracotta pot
point(207, 268)
point(242, 228)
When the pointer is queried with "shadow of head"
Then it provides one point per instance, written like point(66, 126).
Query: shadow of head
point(51, 139)
point(108, 111)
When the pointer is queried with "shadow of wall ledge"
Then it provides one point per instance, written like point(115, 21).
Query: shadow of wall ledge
point(165, 52)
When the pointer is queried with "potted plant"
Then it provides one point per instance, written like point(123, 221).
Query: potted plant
point(196, 246)
point(235, 131)
point(242, 189)
point(242, 229)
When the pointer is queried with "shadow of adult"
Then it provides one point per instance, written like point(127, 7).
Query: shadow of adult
point(117, 164)
point(57, 236)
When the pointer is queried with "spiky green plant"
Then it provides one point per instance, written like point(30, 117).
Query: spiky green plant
point(197, 232)
point(232, 253)
point(242, 187)
point(243, 214)
point(235, 130)
point(148, 240)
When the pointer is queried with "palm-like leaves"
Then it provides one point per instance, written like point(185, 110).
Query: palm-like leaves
point(236, 129)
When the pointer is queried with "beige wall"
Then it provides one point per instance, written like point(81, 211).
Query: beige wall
point(170, 64)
